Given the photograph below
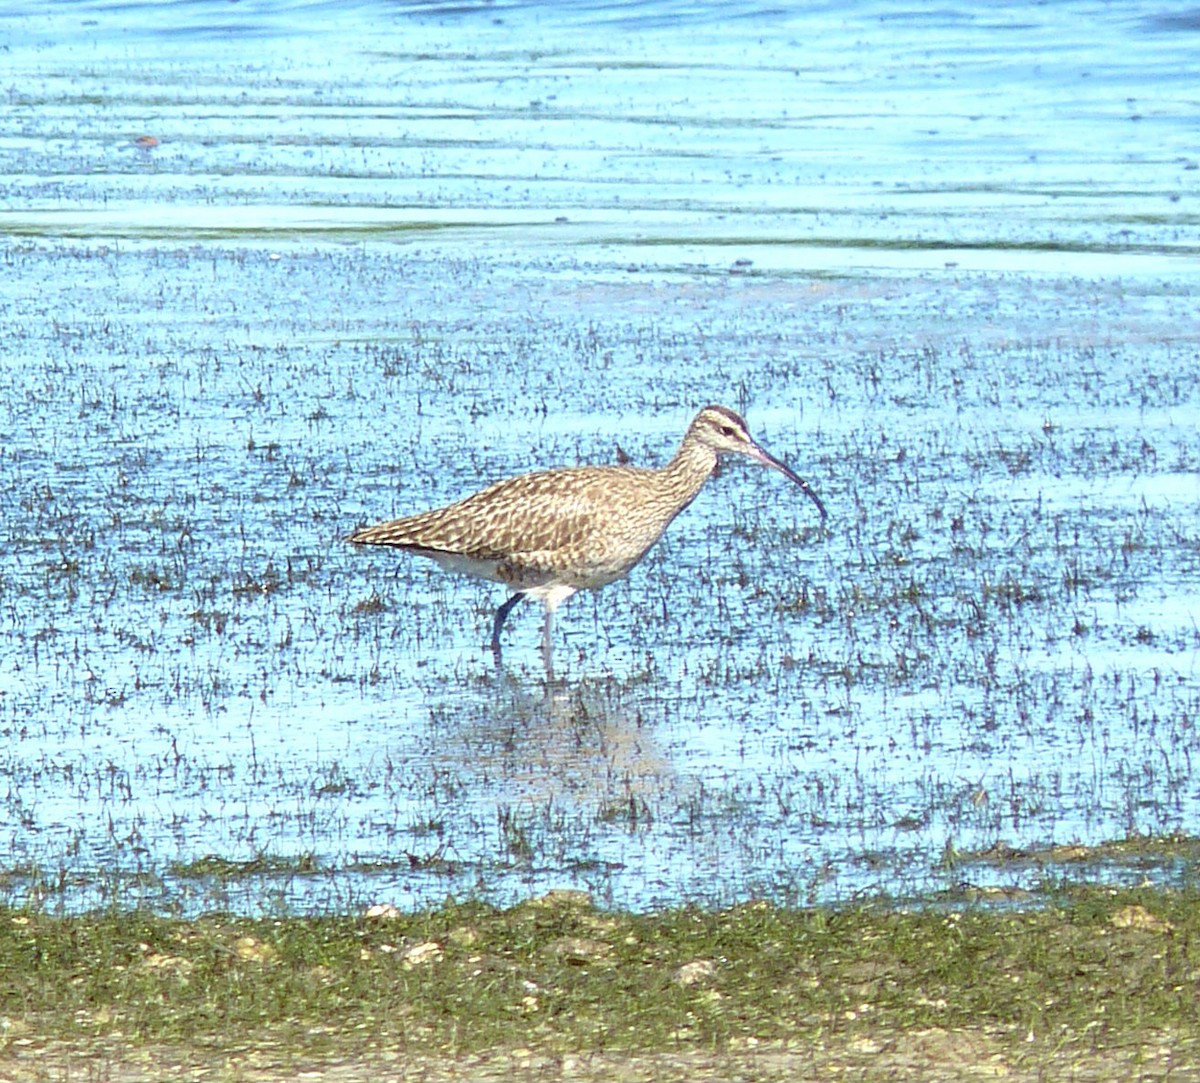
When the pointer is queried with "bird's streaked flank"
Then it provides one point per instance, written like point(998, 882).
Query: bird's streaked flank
point(548, 534)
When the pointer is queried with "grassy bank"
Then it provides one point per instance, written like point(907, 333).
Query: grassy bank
point(1097, 983)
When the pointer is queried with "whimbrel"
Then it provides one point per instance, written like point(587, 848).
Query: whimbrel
point(548, 534)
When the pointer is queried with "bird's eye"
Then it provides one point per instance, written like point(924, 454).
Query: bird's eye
point(726, 430)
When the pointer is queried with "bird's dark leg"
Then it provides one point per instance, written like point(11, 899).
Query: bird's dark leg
point(501, 616)
point(548, 644)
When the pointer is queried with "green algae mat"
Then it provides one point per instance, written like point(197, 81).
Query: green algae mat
point(1095, 984)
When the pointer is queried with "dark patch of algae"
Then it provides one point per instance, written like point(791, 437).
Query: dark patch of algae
point(1094, 984)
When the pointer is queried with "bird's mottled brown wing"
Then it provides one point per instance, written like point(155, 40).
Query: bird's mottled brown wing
point(582, 526)
point(548, 510)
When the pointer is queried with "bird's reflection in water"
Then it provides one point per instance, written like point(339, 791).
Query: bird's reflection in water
point(582, 741)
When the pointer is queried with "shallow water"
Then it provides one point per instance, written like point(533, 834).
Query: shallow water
point(383, 254)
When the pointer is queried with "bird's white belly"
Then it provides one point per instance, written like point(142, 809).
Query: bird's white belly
point(548, 589)
point(464, 565)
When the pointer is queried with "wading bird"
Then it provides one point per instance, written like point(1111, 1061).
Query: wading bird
point(549, 534)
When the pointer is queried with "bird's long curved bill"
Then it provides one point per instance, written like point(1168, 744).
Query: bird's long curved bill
point(767, 459)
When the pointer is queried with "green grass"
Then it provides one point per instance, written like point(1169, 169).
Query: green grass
point(1095, 977)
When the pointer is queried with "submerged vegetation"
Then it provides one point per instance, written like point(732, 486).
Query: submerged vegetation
point(320, 299)
point(990, 647)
